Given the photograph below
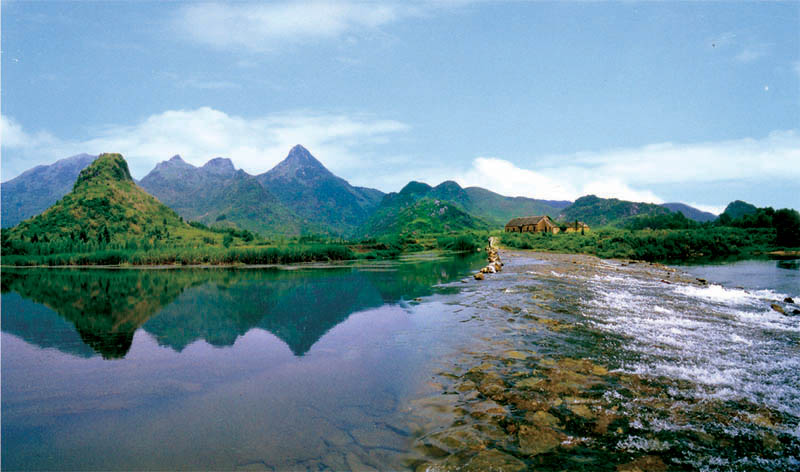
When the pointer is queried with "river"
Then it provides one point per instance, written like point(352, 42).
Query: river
point(557, 362)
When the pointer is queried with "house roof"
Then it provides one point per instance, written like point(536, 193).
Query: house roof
point(527, 220)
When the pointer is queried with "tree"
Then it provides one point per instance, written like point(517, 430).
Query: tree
point(787, 227)
point(227, 240)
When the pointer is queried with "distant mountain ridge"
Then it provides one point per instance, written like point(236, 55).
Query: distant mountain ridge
point(36, 189)
point(420, 208)
point(690, 212)
point(301, 196)
point(596, 211)
point(449, 207)
point(218, 194)
point(320, 198)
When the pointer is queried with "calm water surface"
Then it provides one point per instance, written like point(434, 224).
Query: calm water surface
point(216, 368)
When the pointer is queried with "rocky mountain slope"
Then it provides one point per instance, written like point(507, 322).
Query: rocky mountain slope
point(321, 199)
point(690, 212)
point(33, 191)
point(217, 194)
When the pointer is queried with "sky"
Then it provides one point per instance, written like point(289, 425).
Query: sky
point(697, 102)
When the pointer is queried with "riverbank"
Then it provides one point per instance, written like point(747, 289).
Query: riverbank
point(667, 246)
point(323, 264)
point(612, 365)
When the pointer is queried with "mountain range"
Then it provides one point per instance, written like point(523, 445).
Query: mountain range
point(218, 194)
point(106, 205)
point(301, 196)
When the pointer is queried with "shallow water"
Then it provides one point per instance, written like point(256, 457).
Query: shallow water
point(558, 362)
point(607, 365)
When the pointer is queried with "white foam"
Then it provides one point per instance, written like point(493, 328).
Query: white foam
point(738, 339)
point(720, 294)
point(638, 443)
point(726, 341)
point(662, 310)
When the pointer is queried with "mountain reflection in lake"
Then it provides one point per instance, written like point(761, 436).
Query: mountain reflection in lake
point(122, 369)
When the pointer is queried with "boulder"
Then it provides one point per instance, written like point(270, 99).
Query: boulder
point(778, 308)
point(788, 300)
point(479, 276)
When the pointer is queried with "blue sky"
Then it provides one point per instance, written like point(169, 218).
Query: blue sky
point(693, 102)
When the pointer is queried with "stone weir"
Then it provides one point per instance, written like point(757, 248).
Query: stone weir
point(495, 264)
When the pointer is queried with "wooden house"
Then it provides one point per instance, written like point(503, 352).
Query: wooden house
point(531, 224)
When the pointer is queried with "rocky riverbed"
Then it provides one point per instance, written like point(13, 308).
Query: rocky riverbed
point(582, 363)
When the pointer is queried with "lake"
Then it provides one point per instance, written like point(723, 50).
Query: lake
point(557, 362)
point(214, 368)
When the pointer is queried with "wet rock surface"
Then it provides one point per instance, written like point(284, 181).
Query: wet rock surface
point(545, 387)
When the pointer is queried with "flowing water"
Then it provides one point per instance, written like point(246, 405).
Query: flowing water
point(558, 362)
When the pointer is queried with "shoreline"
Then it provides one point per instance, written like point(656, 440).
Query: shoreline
point(423, 255)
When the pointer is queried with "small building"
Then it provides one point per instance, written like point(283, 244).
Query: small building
point(531, 224)
point(577, 227)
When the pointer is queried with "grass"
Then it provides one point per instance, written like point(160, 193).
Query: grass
point(652, 245)
point(189, 256)
point(242, 250)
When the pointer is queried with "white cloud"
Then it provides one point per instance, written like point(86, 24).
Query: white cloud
point(629, 173)
point(268, 26)
point(13, 136)
point(200, 134)
point(506, 178)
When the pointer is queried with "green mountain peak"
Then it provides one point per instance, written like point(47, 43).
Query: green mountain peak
point(107, 166)
point(106, 205)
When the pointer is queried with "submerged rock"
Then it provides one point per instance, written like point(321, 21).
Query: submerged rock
point(644, 464)
point(535, 440)
point(494, 460)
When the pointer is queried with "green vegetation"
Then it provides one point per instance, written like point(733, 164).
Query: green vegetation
point(652, 245)
point(596, 211)
point(673, 237)
point(186, 255)
point(419, 217)
point(105, 206)
point(465, 242)
point(737, 209)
